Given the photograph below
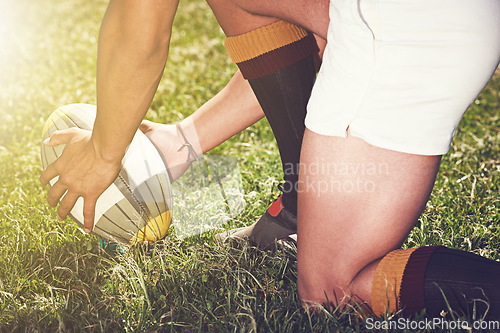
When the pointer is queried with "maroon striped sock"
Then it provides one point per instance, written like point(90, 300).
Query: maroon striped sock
point(279, 62)
point(441, 279)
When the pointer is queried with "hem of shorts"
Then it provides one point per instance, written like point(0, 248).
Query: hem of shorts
point(434, 151)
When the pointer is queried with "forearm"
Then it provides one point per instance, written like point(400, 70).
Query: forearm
point(232, 110)
point(133, 49)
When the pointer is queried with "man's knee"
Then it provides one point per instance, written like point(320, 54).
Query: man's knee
point(331, 289)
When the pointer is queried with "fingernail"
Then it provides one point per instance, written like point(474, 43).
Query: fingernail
point(87, 230)
point(59, 217)
point(46, 141)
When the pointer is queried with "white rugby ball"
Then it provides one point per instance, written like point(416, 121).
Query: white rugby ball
point(137, 207)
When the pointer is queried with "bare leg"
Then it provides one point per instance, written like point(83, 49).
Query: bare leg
point(238, 16)
point(357, 202)
point(350, 219)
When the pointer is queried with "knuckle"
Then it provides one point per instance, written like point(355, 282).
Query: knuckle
point(65, 180)
point(65, 206)
point(52, 202)
point(52, 196)
point(74, 191)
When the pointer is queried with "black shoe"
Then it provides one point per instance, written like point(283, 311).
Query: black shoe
point(277, 224)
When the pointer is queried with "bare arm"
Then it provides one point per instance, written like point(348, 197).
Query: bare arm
point(133, 48)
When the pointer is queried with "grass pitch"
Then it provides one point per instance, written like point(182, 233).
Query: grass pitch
point(53, 277)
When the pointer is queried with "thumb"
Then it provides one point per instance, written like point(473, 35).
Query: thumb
point(59, 137)
point(146, 126)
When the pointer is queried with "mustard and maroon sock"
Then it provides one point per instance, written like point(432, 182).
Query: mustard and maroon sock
point(437, 279)
point(278, 60)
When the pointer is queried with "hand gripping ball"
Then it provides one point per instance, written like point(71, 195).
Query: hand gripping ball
point(137, 206)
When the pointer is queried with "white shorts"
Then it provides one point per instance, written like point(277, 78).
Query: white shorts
point(399, 74)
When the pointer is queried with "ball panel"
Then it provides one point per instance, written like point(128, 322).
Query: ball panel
point(125, 184)
point(52, 122)
point(119, 223)
point(155, 230)
point(151, 195)
point(109, 236)
point(106, 201)
point(81, 115)
point(142, 156)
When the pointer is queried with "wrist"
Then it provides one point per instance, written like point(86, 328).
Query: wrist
point(104, 149)
point(186, 131)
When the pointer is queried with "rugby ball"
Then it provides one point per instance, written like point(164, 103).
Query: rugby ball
point(137, 207)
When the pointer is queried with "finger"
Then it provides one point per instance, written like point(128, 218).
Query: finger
point(49, 173)
point(146, 126)
point(89, 213)
point(66, 205)
point(55, 193)
point(59, 137)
